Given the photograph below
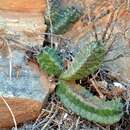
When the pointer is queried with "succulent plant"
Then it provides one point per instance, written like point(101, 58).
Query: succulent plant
point(75, 97)
point(61, 18)
point(64, 19)
point(86, 61)
point(88, 106)
point(50, 61)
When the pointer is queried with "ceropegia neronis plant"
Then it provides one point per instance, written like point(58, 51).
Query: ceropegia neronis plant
point(86, 62)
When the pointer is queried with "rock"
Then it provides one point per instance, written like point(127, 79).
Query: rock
point(25, 91)
point(23, 5)
point(121, 48)
point(22, 85)
point(23, 110)
point(100, 10)
point(24, 20)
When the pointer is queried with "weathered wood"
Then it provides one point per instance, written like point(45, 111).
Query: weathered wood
point(27, 25)
point(23, 18)
point(23, 110)
point(101, 11)
point(23, 5)
point(25, 99)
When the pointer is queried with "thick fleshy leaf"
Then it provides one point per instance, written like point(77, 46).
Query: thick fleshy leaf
point(86, 61)
point(50, 62)
point(89, 107)
point(62, 19)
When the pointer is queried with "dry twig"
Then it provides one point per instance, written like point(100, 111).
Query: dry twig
point(50, 120)
point(51, 26)
point(43, 121)
point(96, 88)
point(10, 56)
point(77, 123)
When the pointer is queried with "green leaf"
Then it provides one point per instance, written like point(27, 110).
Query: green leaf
point(86, 62)
point(50, 62)
point(91, 107)
point(63, 19)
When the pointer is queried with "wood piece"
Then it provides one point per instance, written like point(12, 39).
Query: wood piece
point(27, 108)
point(24, 18)
point(26, 25)
point(23, 5)
point(23, 110)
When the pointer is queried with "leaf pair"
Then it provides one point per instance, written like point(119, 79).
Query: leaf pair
point(86, 62)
